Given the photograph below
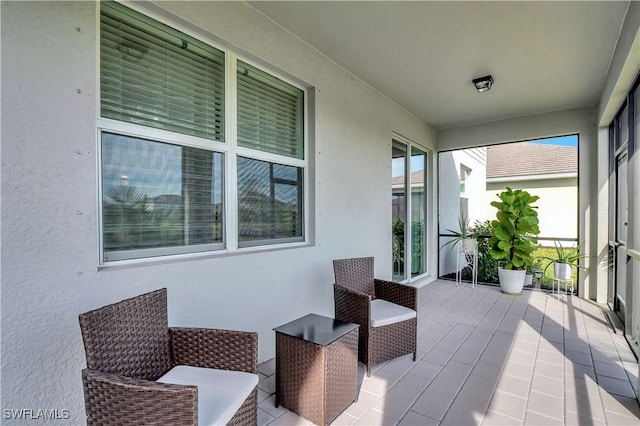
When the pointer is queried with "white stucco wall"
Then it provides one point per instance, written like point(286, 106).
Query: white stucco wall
point(49, 198)
point(449, 163)
point(557, 206)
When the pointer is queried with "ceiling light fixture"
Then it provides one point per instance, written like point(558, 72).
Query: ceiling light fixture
point(483, 84)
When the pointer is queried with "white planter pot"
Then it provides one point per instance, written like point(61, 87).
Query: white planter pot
point(469, 245)
point(511, 280)
point(528, 280)
point(562, 271)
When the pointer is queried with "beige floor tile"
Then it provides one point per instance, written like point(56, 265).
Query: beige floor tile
point(344, 420)
point(520, 371)
point(492, 418)
point(462, 416)
point(413, 419)
point(522, 357)
point(579, 419)
point(536, 419)
point(581, 386)
point(262, 395)
point(552, 357)
point(365, 401)
point(577, 346)
point(378, 383)
point(376, 418)
point(615, 371)
point(436, 356)
point(548, 385)
point(619, 420)
point(546, 405)
point(397, 367)
point(425, 369)
point(290, 419)
point(620, 405)
point(466, 356)
point(268, 384)
point(438, 396)
point(578, 358)
point(579, 370)
point(615, 386)
point(488, 358)
point(399, 399)
point(514, 386)
point(584, 406)
point(268, 405)
point(264, 418)
point(268, 368)
point(508, 405)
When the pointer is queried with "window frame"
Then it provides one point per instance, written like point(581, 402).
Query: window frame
point(229, 148)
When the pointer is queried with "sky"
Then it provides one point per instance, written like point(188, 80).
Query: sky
point(562, 140)
point(397, 165)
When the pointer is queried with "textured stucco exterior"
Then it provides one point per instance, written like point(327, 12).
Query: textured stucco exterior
point(49, 180)
point(449, 194)
point(556, 207)
point(50, 234)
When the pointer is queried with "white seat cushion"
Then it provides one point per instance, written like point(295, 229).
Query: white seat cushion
point(385, 313)
point(220, 392)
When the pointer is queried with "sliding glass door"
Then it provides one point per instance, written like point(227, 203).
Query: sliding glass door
point(408, 205)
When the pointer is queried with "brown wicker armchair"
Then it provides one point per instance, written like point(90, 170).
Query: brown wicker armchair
point(130, 377)
point(388, 330)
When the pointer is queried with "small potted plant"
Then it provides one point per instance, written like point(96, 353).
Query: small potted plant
point(536, 270)
point(565, 259)
point(465, 235)
point(513, 237)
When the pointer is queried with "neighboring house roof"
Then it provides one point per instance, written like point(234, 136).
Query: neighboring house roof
point(417, 178)
point(526, 158)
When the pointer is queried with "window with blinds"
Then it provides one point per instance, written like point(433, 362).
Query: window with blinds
point(269, 202)
point(157, 197)
point(164, 193)
point(270, 113)
point(159, 77)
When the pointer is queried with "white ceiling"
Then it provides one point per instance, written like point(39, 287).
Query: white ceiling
point(544, 56)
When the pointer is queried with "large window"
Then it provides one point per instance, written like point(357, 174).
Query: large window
point(174, 179)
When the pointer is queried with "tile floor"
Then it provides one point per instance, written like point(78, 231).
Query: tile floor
point(485, 358)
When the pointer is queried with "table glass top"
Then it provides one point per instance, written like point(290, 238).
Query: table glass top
point(317, 329)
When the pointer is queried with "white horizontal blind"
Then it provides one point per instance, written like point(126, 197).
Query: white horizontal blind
point(270, 113)
point(153, 75)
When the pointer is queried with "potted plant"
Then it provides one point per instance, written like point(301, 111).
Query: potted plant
point(513, 237)
point(536, 270)
point(565, 259)
point(465, 235)
point(487, 266)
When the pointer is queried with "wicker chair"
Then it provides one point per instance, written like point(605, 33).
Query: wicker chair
point(130, 377)
point(388, 330)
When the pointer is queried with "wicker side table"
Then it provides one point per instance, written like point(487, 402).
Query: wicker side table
point(317, 367)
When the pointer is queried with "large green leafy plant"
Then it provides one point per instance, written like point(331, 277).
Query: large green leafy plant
point(513, 232)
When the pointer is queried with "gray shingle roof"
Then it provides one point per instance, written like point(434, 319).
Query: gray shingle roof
point(526, 158)
point(417, 178)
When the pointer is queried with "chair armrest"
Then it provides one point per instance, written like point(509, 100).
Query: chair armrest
point(215, 348)
point(111, 399)
point(351, 306)
point(397, 293)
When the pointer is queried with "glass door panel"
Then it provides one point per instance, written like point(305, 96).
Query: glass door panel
point(621, 234)
point(418, 211)
point(398, 209)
